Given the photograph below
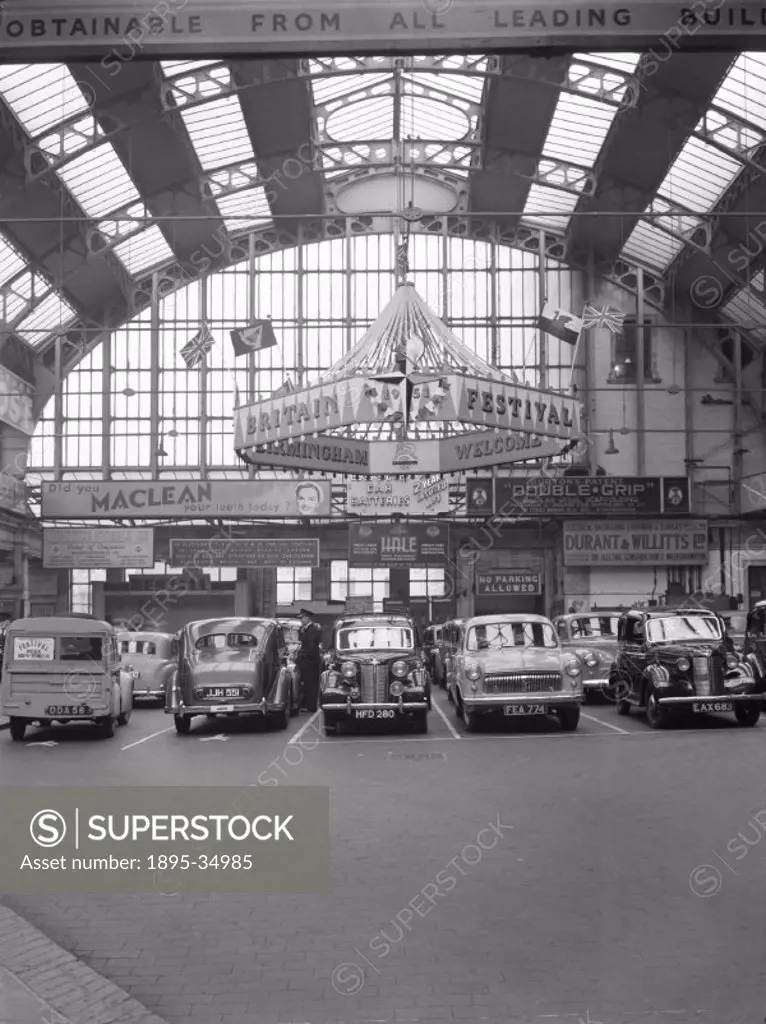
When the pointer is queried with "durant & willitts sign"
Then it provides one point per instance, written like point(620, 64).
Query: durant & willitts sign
point(642, 542)
point(181, 28)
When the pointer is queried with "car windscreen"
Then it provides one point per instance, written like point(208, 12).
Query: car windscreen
point(683, 627)
point(497, 636)
point(595, 626)
point(137, 647)
point(229, 641)
point(736, 623)
point(371, 638)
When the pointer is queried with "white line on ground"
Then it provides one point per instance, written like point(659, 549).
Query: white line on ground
point(609, 725)
point(296, 736)
point(136, 743)
point(453, 731)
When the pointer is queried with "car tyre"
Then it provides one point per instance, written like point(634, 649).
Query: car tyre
point(183, 724)
point(106, 725)
point(747, 714)
point(623, 708)
point(124, 718)
point(330, 726)
point(655, 715)
point(569, 719)
point(420, 721)
point(278, 719)
point(18, 728)
point(470, 719)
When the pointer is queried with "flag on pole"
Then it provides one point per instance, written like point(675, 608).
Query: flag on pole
point(195, 350)
point(560, 323)
point(286, 389)
point(237, 396)
point(611, 319)
point(259, 335)
point(402, 261)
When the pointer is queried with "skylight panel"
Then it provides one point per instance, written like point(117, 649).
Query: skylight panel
point(651, 247)
point(245, 209)
point(19, 292)
point(10, 262)
point(369, 118)
point(543, 202)
point(334, 86)
point(41, 95)
point(52, 313)
point(144, 251)
point(218, 132)
point(171, 68)
point(743, 91)
point(98, 181)
point(747, 310)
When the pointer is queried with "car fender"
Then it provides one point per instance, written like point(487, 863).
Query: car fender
point(657, 675)
point(282, 686)
point(754, 662)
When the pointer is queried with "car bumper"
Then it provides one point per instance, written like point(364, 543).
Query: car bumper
point(147, 693)
point(729, 698)
point(595, 684)
point(262, 707)
point(496, 702)
point(349, 707)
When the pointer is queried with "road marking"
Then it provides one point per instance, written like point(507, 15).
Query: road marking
point(218, 736)
point(453, 731)
point(136, 742)
point(296, 736)
point(43, 743)
point(607, 724)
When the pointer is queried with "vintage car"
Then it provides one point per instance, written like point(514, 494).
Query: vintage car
point(431, 641)
point(153, 659)
point(755, 637)
point(374, 671)
point(514, 664)
point(449, 643)
point(593, 638)
point(674, 662)
point(64, 668)
point(233, 666)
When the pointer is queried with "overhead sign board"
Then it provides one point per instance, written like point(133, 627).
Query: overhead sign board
point(184, 28)
point(564, 496)
point(398, 544)
point(512, 581)
point(16, 395)
point(650, 542)
point(424, 496)
point(188, 499)
point(268, 553)
point(109, 548)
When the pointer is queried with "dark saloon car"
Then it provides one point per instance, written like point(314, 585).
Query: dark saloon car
point(231, 667)
point(674, 662)
point(593, 638)
point(375, 671)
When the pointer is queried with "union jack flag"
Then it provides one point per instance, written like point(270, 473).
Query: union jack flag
point(194, 351)
point(402, 260)
point(607, 317)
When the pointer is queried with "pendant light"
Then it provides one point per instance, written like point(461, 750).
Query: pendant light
point(612, 449)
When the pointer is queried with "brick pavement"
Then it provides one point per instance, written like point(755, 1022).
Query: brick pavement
point(41, 983)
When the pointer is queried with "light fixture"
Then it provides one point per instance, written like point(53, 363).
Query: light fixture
point(171, 433)
point(673, 389)
point(128, 392)
point(624, 430)
point(612, 449)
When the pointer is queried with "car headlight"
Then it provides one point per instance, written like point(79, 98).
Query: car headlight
point(397, 689)
point(732, 661)
point(247, 691)
point(399, 668)
point(199, 692)
point(349, 669)
point(591, 660)
point(683, 665)
point(573, 668)
point(473, 669)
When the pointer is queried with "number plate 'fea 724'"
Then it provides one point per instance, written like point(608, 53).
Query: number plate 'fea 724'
point(525, 709)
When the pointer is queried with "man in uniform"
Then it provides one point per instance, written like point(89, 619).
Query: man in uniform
point(309, 659)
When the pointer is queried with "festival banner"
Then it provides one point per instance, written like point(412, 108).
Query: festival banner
point(16, 395)
point(266, 553)
point(651, 542)
point(398, 544)
point(514, 581)
point(426, 496)
point(516, 407)
point(165, 499)
point(109, 548)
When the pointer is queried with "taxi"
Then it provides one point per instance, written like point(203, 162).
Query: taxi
point(152, 658)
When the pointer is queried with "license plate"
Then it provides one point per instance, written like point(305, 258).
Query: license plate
point(224, 691)
point(71, 710)
point(221, 707)
point(525, 709)
point(712, 705)
point(375, 713)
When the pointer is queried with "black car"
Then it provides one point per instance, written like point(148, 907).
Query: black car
point(673, 662)
point(375, 671)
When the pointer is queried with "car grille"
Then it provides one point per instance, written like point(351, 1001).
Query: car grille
point(708, 675)
point(523, 682)
point(374, 683)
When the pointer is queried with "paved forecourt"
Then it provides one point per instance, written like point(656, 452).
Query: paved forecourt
point(506, 876)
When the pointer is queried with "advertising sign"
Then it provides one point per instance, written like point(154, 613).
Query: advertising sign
point(649, 542)
point(13, 495)
point(164, 499)
point(266, 553)
point(179, 29)
point(33, 648)
point(398, 544)
point(16, 395)
point(511, 582)
point(579, 495)
point(421, 497)
point(480, 496)
point(109, 548)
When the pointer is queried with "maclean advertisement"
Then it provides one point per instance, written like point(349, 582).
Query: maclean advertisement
point(578, 495)
point(426, 496)
point(648, 542)
point(398, 544)
point(164, 499)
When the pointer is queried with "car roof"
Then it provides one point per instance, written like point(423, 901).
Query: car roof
point(388, 620)
point(509, 617)
point(668, 613)
point(55, 623)
point(141, 634)
point(607, 613)
point(230, 624)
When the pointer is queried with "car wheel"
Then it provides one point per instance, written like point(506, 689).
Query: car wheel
point(18, 728)
point(470, 719)
point(623, 708)
point(569, 719)
point(747, 714)
point(278, 720)
point(330, 726)
point(655, 715)
point(124, 718)
point(106, 725)
point(420, 721)
point(183, 724)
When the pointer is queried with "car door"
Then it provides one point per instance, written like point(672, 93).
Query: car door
point(635, 652)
